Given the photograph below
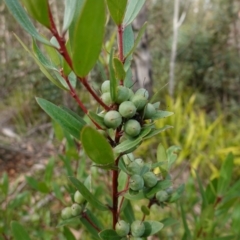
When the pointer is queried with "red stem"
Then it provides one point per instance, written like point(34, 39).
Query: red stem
point(84, 215)
point(120, 46)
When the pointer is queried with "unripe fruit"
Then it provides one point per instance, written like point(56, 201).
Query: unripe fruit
point(122, 228)
point(130, 93)
point(137, 228)
point(139, 101)
point(106, 98)
point(169, 190)
point(66, 213)
point(136, 182)
point(127, 109)
point(78, 197)
point(143, 92)
point(162, 196)
point(76, 209)
point(140, 162)
point(150, 180)
point(149, 111)
point(122, 94)
point(112, 119)
point(133, 168)
point(105, 86)
point(132, 128)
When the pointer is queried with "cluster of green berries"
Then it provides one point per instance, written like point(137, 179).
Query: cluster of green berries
point(132, 108)
point(136, 229)
point(76, 208)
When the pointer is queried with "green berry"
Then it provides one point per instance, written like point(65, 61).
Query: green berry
point(105, 86)
point(122, 228)
point(149, 111)
point(66, 213)
point(139, 101)
point(132, 128)
point(162, 196)
point(76, 209)
point(143, 92)
point(122, 94)
point(130, 93)
point(78, 197)
point(112, 119)
point(106, 98)
point(136, 182)
point(127, 109)
point(139, 161)
point(137, 228)
point(150, 179)
point(133, 168)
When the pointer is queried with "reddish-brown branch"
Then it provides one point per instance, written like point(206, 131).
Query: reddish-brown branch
point(84, 215)
point(120, 46)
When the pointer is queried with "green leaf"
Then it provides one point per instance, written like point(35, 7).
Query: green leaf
point(145, 210)
point(63, 118)
point(88, 37)
point(154, 132)
point(177, 194)
point(172, 155)
point(19, 200)
point(161, 185)
point(133, 9)
point(151, 227)
point(203, 195)
point(109, 234)
point(167, 222)
point(19, 232)
point(113, 80)
point(137, 196)
point(138, 39)
point(22, 18)
point(39, 10)
point(49, 170)
point(88, 195)
point(128, 41)
point(117, 10)
point(185, 225)
point(225, 175)
point(128, 211)
point(73, 220)
point(96, 146)
point(39, 186)
point(5, 184)
point(127, 146)
point(70, 8)
point(68, 234)
point(41, 66)
point(97, 119)
point(161, 153)
point(66, 68)
point(119, 69)
point(162, 114)
point(57, 191)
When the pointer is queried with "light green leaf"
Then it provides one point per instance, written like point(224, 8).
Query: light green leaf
point(19, 232)
point(127, 145)
point(70, 8)
point(97, 119)
point(109, 234)
point(96, 146)
point(68, 122)
point(151, 227)
point(162, 114)
point(133, 8)
point(117, 10)
point(172, 155)
point(119, 69)
point(49, 171)
point(88, 37)
point(88, 195)
point(39, 10)
point(154, 132)
point(128, 41)
point(22, 18)
point(113, 80)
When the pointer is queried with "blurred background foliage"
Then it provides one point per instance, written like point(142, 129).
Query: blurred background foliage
point(205, 102)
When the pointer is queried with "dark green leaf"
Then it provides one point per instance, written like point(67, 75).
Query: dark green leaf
point(88, 195)
point(177, 194)
point(57, 191)
point(225, 175)
point(5, 184)
point(22, 18)
point(39, 10)
point(128, 211)
point(127, 146)
point(117, 10)
point(97, 119)
point(63, 118)
point(96, 146)
point(113, 80)
point(185, 225)
point(203, 195)
point(19, 231)
point(162, 114)
point(133, 9)
point(151, 227)
point(67, 164)
point(49, 170)
point(109, 234)
point(39, 186)
point(70, 8)
point(19, 200)
point(88, 36)
point(128, 41)
point(68, 234)
point(119, 69)
point(154, 132)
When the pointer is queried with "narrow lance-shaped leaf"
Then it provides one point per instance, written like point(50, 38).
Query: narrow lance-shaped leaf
point(96, 146)
point(119, 69)
point(19, 231)
point(88, 36)
point(113, 80)
point(63, 118)
point(117, 10)
point(39, 10)
point(22, 18)
point(70, 8)
point(87, 194)
point(128, 41)
point(133, 8)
